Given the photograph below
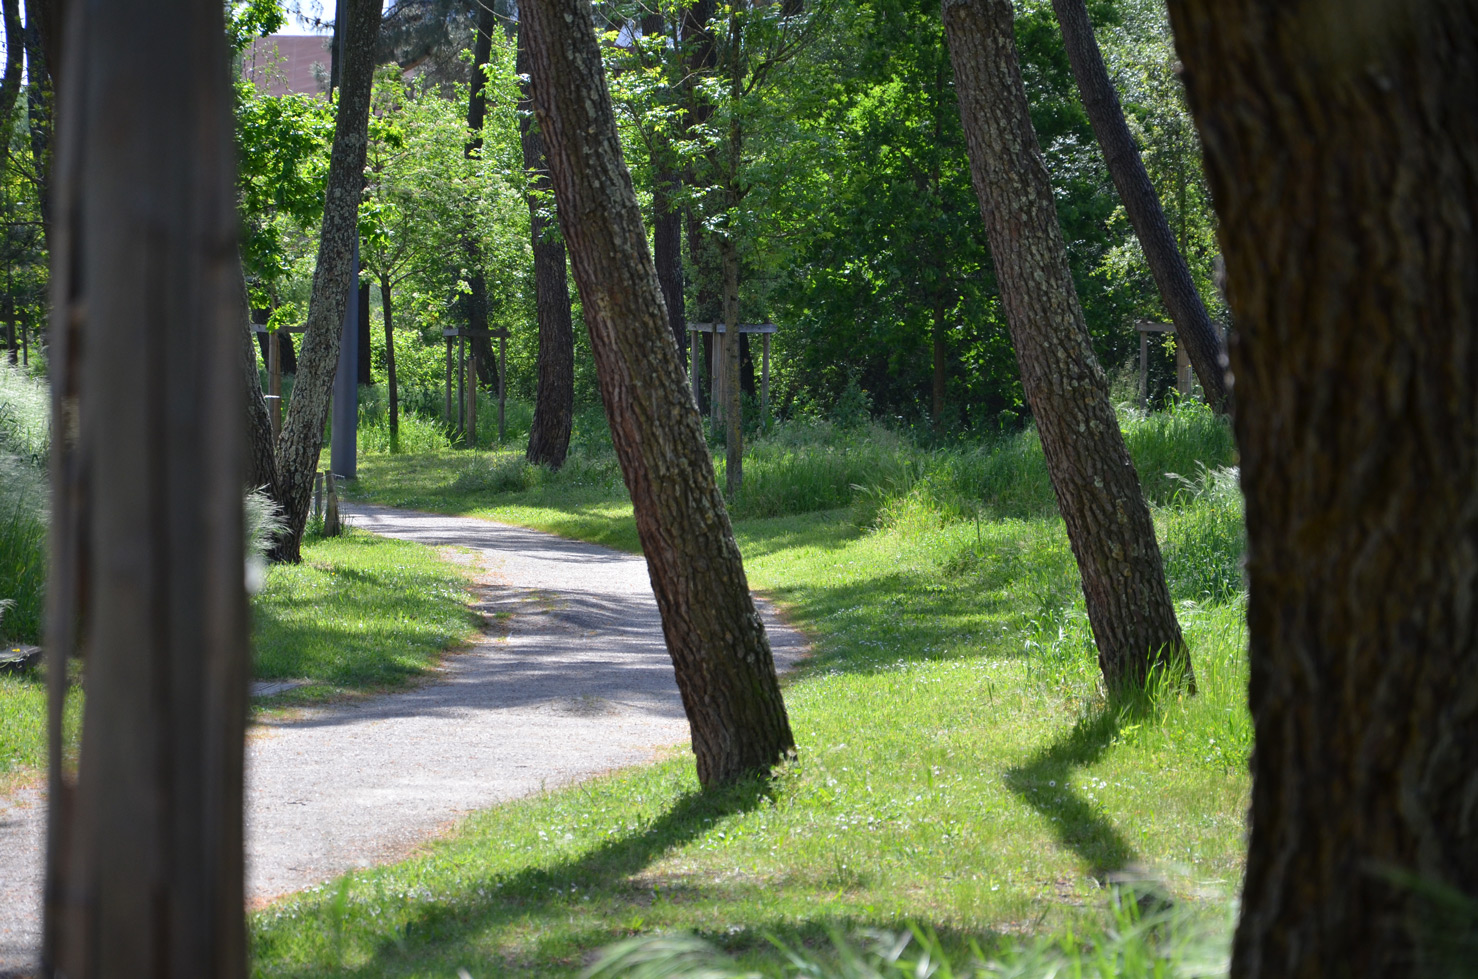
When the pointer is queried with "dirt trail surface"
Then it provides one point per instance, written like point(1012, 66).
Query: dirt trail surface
point(573, 681)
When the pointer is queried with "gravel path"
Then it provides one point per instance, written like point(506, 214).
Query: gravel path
point(576, 681)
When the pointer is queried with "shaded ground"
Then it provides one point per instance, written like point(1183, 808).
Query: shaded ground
point(571, 680)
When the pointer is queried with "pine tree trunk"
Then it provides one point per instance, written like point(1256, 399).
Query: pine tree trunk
point(1340, 150)
point(1193, 327)
point(390, 383)
point(717, 642)
point(554, 398)
point(1108, 523)
point(145, 868)
point(477, 283)
point(302, 429)
point(261, 466)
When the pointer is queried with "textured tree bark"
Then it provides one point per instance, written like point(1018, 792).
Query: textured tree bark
point(722, 658)
point(261, 464)
point(1339, 143)
point(334, 275)
point(144, 853)
point(1108, 523)
point(1193, 326)
point(387, 306)
point(554, 397)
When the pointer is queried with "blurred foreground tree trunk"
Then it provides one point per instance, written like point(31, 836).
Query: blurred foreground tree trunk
point(725, 670)
point(1108, 523)
point(1193, 327)
point(144, 853)
point(554, 396)
point(334, 275)
point(1341, 144)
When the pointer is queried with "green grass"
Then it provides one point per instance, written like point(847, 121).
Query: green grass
point(360, 613)
point(958, 765)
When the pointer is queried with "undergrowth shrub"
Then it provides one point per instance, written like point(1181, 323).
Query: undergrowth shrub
point(1205, 536)
point(24, 441)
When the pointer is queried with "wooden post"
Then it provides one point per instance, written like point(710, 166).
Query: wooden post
point(472, 395)
point(1182, 370)
point(274, 382)
point(447, 412)
point(765, 381)
point(1144, 369)
point(331, 526)
point(502, 381)
point(716, 385)
point(695, 345)
point(461, 387)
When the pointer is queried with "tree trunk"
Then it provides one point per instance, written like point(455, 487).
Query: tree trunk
point(733, 405)
point(10, 87)
point(261, 465)
point(390, 382)
point(554, 398)
point(302, 430)
point(477, 283)
point(1108, 523)
point(1193, 327)
point(724, 667)
point(40, 97)
point(1340, 150)
point(939, 336)
point(145, 869)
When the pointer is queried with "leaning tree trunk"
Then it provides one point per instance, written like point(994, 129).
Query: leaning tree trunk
point(722, 658)
point(554, 396)
point(261, 464)
point(1193, 327)
point(145, 869)
point(1340, 149)
point(301, 440)
point(1108, 523)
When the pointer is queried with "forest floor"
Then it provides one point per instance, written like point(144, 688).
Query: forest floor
point(569, 678)
point(958, 768)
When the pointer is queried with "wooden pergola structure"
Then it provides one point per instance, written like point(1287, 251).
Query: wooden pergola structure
point(1184, 379)
point(274, 370)
point(466, 374)
point(716, 383)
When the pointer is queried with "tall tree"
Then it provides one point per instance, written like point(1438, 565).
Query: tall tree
point(42, 23)
point(1340, 148)
point(1193, 327)
point(145, 869)
point(302, 430)
point(554, 396)
point(717, 642)
point(1108, 523)
point(476, 296)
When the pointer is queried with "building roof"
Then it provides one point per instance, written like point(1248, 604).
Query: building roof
point(288, 64)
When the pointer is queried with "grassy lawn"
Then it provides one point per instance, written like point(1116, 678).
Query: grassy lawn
point(361, 614)
point(957, 765)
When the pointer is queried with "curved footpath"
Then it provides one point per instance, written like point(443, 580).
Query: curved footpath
point(574, 682)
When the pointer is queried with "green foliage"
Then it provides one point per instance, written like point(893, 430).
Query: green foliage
point(24, 441)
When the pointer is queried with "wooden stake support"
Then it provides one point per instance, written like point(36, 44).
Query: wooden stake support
point(274, 371)
point(466, 428)
point(1183, 376)
point(716, 386)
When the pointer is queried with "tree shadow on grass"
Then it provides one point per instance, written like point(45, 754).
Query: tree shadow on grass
point(1044, 782)
point(439, 926)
